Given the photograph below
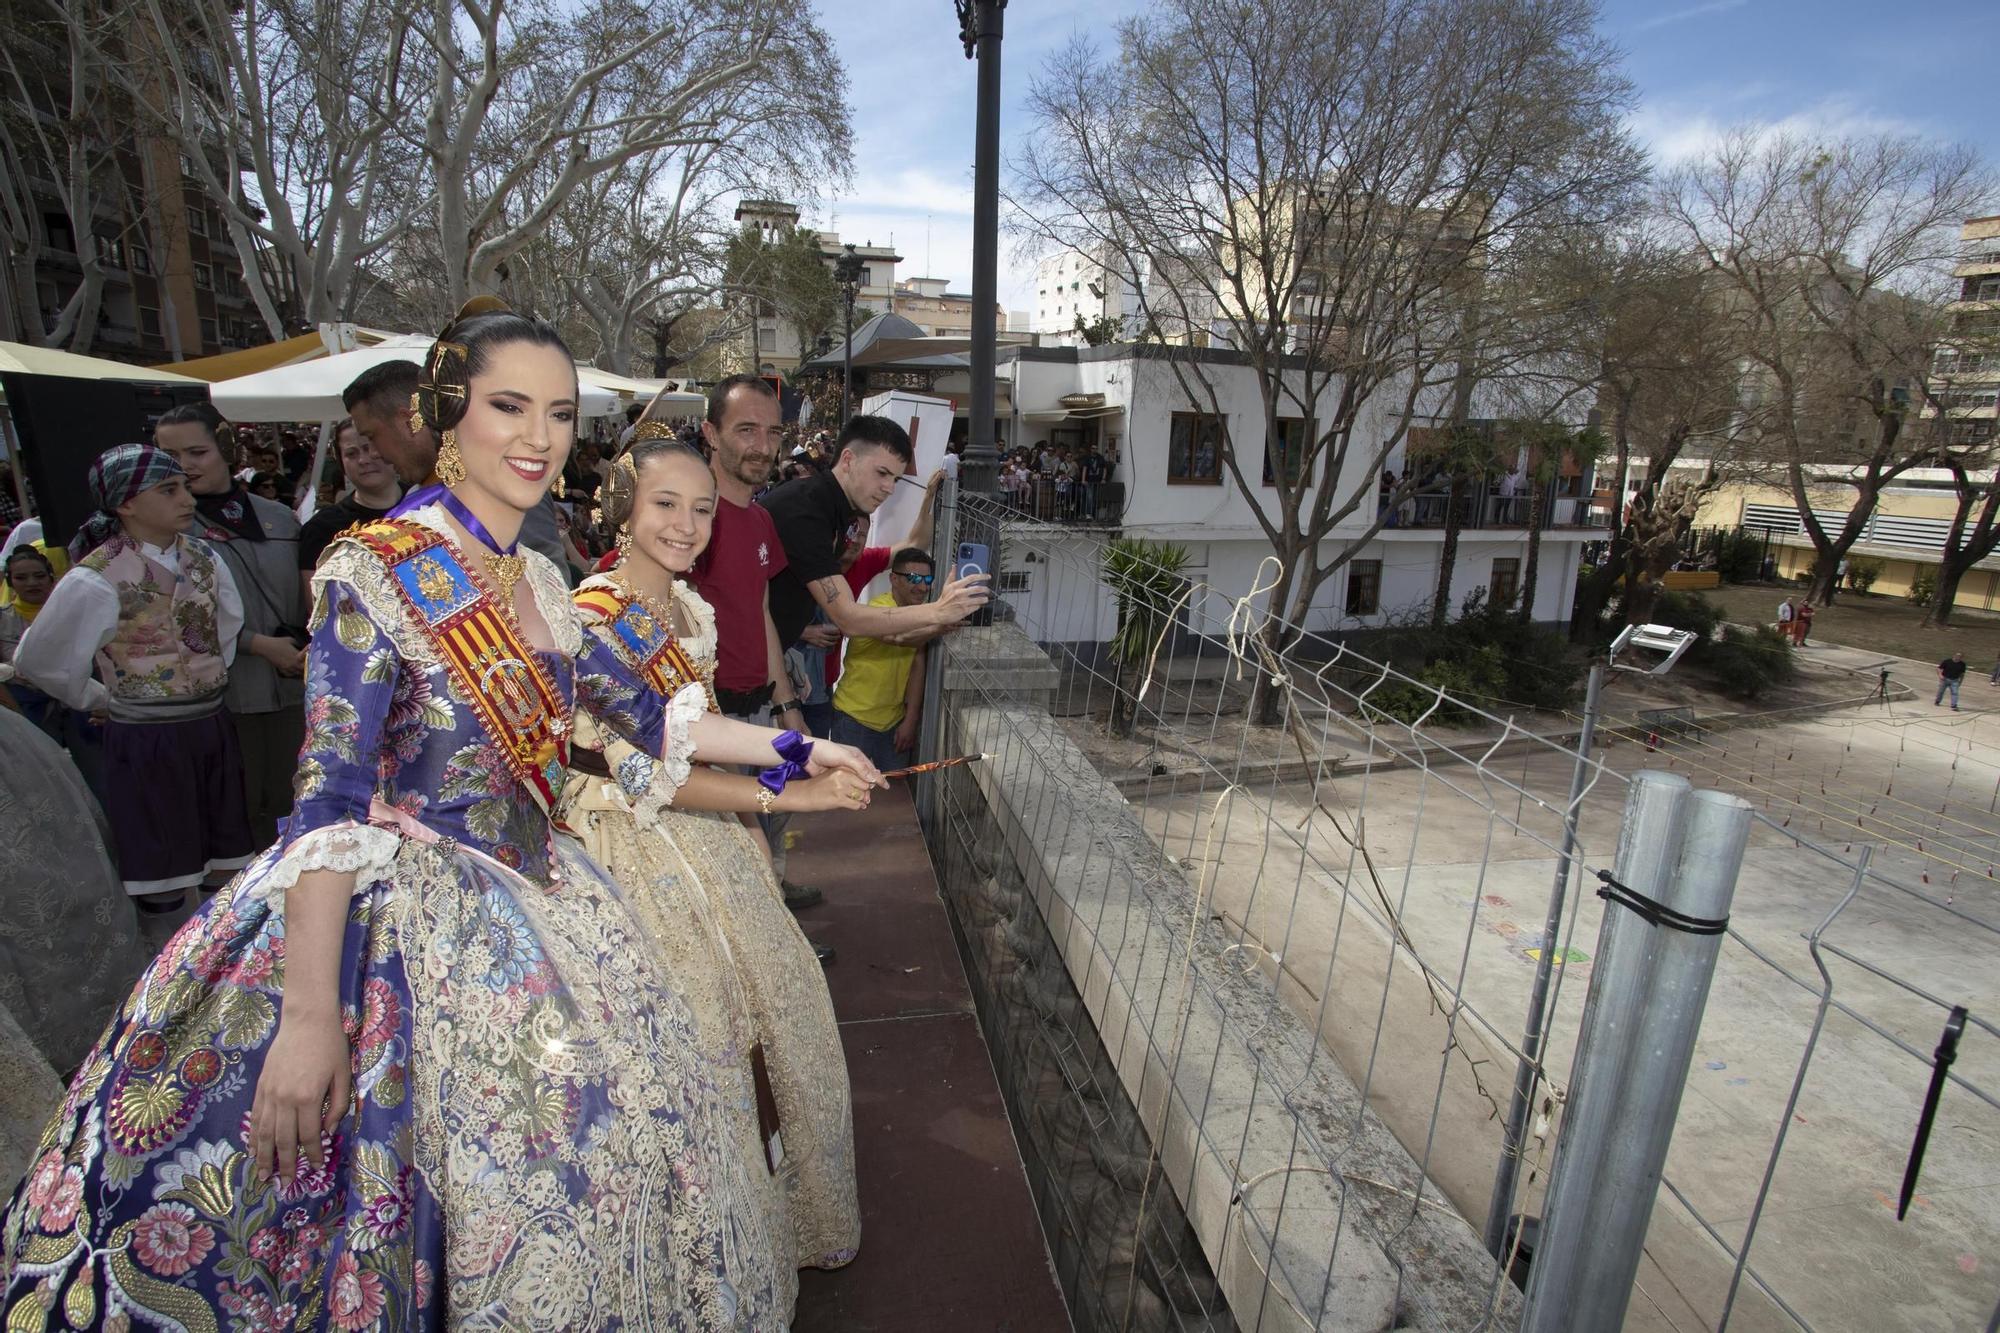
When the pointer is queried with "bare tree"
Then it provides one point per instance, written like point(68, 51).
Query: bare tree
point(1970, 540)
point(291, 116)
point(528, 107)
point(58, 126)
point(1330, 185)
point(1835, 257)
point(1638, 326)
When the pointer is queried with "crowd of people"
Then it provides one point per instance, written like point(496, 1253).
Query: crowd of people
point(463, 801)
point(1058, 483)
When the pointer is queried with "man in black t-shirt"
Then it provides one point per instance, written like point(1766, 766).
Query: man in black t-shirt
point(1951, 672)
point(812, 514)
point(372, 492)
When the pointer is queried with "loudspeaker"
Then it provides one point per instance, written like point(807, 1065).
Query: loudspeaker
point(1107, 503)
point(63, 424)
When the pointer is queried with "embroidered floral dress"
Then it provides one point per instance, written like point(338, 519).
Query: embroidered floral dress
point(704, 892)
point(537, 1140)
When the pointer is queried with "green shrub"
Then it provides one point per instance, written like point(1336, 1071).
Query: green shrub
point(1689, 611)
point(1862, 573)
point(1924, 586)
point(1746, 662)
point(1486, 658)
point(1739, 557)
point(1467, 685)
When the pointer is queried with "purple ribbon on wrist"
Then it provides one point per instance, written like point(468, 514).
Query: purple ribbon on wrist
point(795, 750)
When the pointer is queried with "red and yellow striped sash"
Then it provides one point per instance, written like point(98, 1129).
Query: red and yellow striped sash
point(497, 673)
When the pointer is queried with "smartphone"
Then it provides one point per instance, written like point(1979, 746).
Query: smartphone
point(974, 558)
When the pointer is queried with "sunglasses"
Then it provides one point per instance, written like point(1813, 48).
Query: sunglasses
point(919, 580)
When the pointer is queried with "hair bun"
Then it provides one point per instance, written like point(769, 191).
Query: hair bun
point(481, 305)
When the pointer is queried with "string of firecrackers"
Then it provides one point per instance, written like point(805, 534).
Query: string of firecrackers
point(1978, 829)
point(1844, 810)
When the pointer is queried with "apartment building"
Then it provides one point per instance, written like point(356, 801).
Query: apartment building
point(773, 346)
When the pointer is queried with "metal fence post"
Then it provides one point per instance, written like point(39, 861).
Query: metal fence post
point(930, 727)
point(1500, 1209)
point(1605, 1192)
point(1649, 846)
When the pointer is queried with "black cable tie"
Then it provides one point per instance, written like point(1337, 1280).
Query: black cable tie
point(1656, 913)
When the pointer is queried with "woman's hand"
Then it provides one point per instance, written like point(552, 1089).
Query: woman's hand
point(836, 790)
point(301, 1094)
point(829, 755)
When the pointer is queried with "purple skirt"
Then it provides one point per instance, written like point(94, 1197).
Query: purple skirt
point(174, 798)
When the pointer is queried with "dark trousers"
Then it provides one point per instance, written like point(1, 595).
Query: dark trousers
point(269, 743)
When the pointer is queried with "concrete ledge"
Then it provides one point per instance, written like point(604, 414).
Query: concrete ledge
point(1257, 1129)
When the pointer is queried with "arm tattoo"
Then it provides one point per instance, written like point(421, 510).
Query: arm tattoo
point(830, 587)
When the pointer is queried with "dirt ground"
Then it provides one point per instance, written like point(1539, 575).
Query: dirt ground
point(1887, 625)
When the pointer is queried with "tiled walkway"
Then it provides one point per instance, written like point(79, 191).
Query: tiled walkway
point(949, 1238)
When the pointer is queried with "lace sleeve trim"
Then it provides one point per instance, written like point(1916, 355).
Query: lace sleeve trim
point(687, 707)
point(367, 852)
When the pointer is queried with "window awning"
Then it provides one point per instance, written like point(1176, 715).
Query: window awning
point(1057, 417)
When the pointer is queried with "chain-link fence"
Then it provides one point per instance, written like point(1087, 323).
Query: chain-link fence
point(1271, 928)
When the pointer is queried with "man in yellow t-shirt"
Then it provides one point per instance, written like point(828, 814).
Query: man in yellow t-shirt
point(880, 695)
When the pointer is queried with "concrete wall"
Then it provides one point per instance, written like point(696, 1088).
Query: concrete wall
point(1217, 1070)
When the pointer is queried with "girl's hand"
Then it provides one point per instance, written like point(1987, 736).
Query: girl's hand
point(837, 790)
point(827, 755)
point(301, 1095)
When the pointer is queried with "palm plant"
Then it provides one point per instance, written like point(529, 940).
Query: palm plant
point(1146, 578)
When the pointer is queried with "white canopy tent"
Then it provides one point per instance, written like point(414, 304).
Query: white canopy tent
point(311, 390)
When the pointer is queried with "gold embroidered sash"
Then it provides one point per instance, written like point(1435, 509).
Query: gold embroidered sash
point(481, 647)
point(646, 644)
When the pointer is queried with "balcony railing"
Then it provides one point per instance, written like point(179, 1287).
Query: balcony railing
point(1496, 511)
point(1079, 504)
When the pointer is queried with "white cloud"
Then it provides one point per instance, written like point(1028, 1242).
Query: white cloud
point(1679, 132)
point(1692, 12)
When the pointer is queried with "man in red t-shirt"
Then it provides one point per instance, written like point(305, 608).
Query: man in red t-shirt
point(744, 431)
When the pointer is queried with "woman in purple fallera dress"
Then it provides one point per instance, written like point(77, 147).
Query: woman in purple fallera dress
point(413, 1068)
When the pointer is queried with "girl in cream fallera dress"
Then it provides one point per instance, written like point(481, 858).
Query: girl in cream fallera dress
point(701, 885)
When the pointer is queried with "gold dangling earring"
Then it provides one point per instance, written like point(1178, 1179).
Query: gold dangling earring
point(624, 544)
point(450, 467)
point(559, 490)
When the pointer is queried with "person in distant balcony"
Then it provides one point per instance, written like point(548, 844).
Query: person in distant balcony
point(1951, 674)
point(1093, 471)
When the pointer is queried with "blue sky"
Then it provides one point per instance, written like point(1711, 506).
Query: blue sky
point(1700, 66)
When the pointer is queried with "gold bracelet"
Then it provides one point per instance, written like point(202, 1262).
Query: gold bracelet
point(766, 799)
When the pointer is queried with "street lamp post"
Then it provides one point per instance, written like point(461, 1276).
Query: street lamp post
point(980, 27)
point(847, 272)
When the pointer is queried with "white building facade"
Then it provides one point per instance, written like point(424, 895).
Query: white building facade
point(1126, 402)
